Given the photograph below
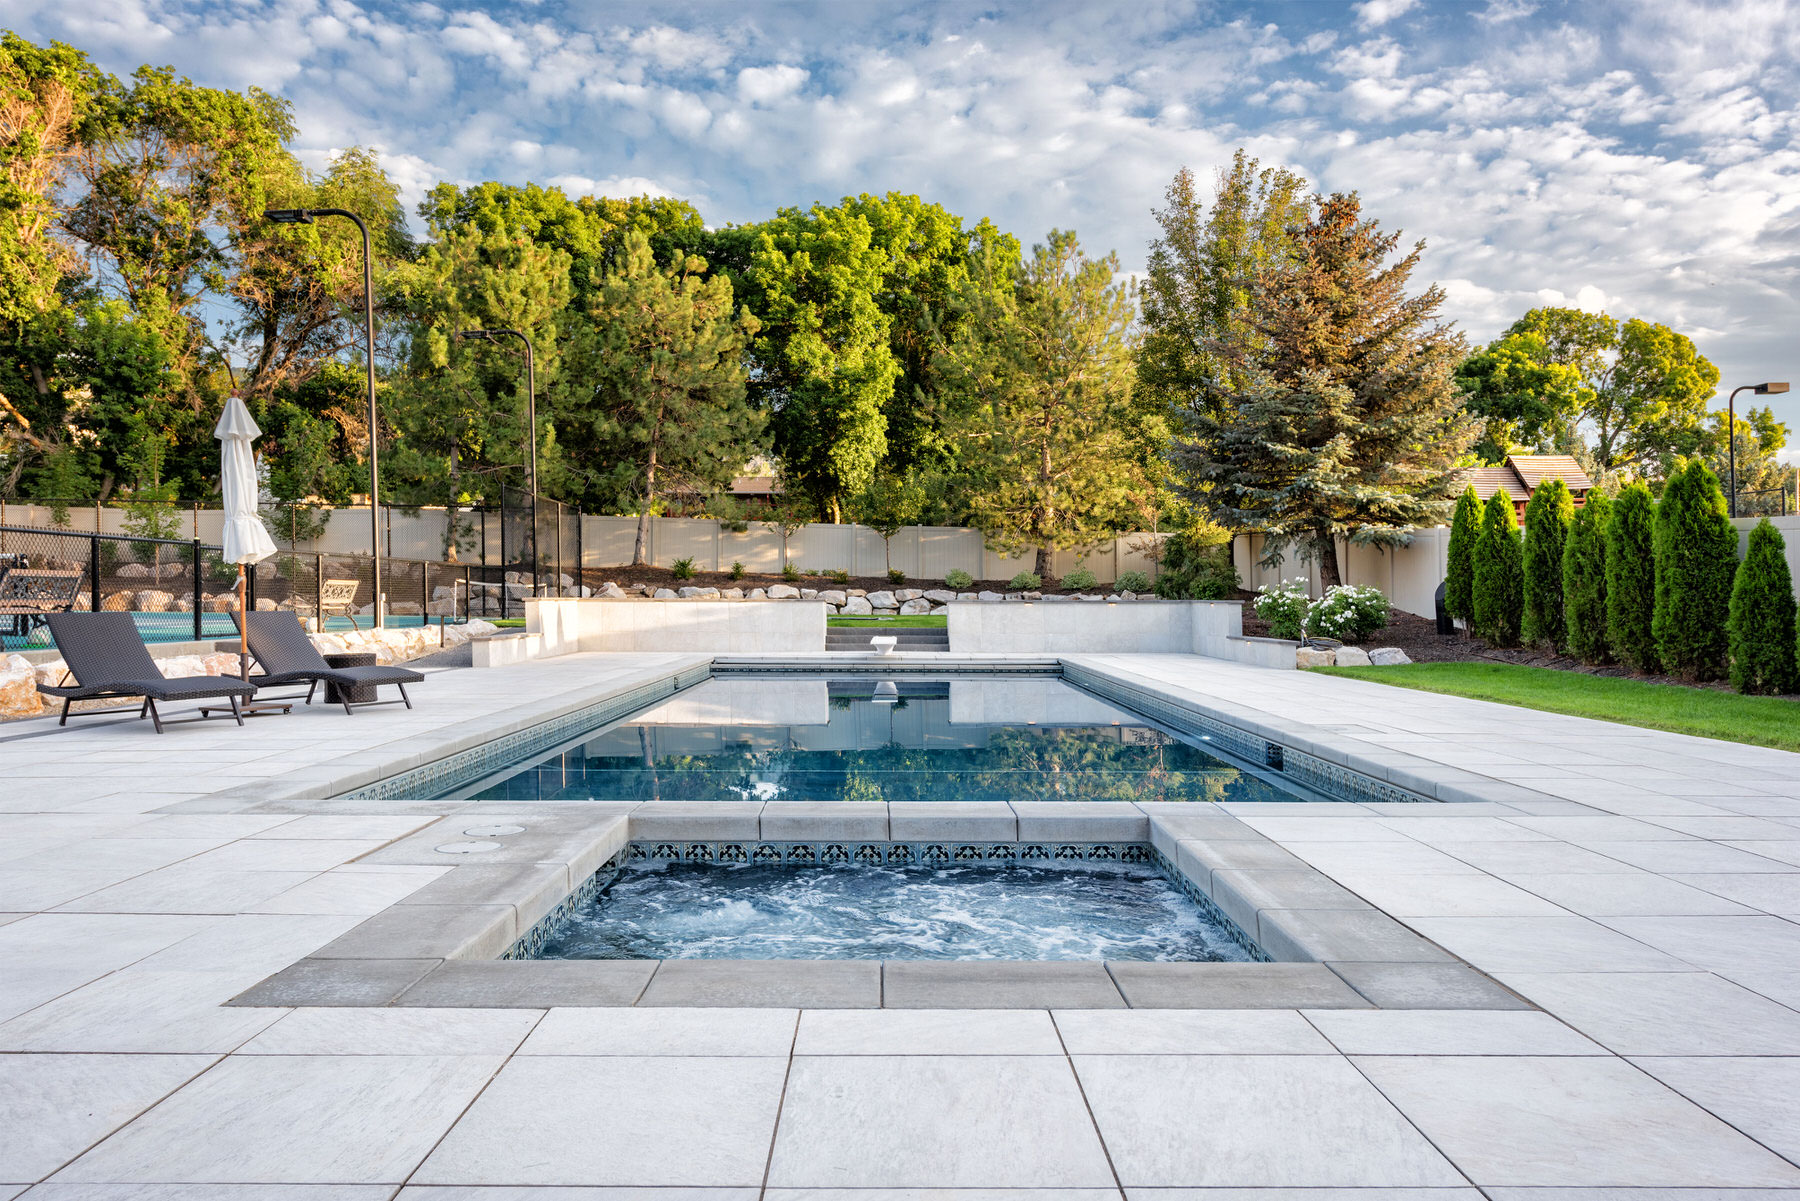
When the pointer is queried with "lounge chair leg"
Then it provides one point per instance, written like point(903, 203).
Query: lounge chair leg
point(403, 696)
point(312, 688)
point(143, 708)
point(345, 693)
point(235, 711)
point(155, 718)
point(64, 719)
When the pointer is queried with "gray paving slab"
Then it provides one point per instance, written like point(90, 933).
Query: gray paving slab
point(1231, 985)
point(1427, 986)
point(337, 982)
point(784, 983)
point(995, 984)
point(1665, 1013)
point(1759, 1094)
point(532, 984)
point(664, 1031)
point(977, 1032)
point(54, 1107)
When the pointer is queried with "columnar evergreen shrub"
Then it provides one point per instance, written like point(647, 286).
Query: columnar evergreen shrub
point(1696, 558)
point(1548, 516)
point(1584, 581)
point(1459, 572)
point(1499, 592)
point(1762, 617)
point(1631, 578)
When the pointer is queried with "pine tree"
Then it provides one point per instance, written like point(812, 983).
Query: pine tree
point(1348, 423)
point(1696, 557)
point(1499, 574)
point(1459, 572)
point(1762, 617)
point(1584, 580)
point(1548, 516)
point(660, 391)
point(1631, 578)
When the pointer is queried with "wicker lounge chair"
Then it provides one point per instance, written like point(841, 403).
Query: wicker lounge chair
point(287, 656)
point(108, 658)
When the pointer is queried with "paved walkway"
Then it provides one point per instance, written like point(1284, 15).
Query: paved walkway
point(1645, 894)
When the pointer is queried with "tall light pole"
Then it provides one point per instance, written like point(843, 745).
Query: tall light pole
point(1768, 389)
point(494, 335)
point(306, 217)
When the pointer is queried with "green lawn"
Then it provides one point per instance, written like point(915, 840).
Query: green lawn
point(1758, 720)
point(508, 623)
point(912, 621)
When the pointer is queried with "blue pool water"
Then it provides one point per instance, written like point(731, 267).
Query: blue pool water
point(1018, 912)
point(1014, 738)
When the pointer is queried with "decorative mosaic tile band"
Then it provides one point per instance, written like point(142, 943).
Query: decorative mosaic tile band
point(436, 778)
point(1198, 896)
point(1332, 780)
point(828, 853)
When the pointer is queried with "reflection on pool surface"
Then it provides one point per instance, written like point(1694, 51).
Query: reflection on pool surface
point(1005, 739)
point(1024, 912)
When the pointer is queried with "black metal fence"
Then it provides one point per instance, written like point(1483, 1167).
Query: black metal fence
point(180, 590)
point(1764, 502)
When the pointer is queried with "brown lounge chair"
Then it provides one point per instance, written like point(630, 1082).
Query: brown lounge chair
point(108, 658)
point(287, 656)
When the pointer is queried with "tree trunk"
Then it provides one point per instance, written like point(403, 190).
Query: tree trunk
point(642, 548)
point(1328, 562)
point(1043, 563)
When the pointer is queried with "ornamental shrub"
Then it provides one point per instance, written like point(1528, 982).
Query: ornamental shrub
point(737, 569)
point(1025, 581)
point(896, 576)
point(1696, 558)
point(1631, 578)
point(1196, 570)
point(1079, 579)
point(682, 569)
point(837, 575)
point(790, 572)
point(1459, 573)
point(1499, 591)
point(1548, 516)
point(1348, 613)
point(1584, 581)
point(957, 578)
point(1284, 607)
point(1133, 581)
point(1761, 627)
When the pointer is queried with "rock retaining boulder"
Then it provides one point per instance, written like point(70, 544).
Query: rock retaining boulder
point(1314, 656)
point(857, 606)
point(783, 592)
point(909, 607)
point(1352, 656)
point(1388, 656)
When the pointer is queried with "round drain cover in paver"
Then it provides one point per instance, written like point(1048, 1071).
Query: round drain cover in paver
point(468, 848)
point(493, 831)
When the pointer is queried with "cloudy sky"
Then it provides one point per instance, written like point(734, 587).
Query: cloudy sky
point(1637, 157)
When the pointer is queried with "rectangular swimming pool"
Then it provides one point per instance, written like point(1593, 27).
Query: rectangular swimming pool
point(782, 738)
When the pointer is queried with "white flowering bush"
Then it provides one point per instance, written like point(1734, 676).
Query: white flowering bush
point(1347, 612)
point(1284, 607)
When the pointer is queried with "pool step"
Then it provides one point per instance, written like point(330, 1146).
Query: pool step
point(857, 639)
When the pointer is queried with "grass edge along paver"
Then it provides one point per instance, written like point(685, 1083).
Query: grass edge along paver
point(1702, 712)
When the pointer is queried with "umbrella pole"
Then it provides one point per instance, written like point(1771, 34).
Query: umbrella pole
point(243, 631)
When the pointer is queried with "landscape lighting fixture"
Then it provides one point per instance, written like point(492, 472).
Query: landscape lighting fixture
point(288, 216)
point(1772, 388)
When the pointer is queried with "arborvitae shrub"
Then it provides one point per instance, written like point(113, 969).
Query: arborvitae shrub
point(1584, 581)
point(1459, 572)
point(1499, 592)
point(1631, 578)
point(1762, 617)
point(1696, 557)
point(1547, 520)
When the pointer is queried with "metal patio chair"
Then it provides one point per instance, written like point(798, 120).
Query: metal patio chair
point(108, 659)
point(287, 656)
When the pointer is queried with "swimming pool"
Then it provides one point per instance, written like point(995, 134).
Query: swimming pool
point(1016, 911)
point(1022, 738)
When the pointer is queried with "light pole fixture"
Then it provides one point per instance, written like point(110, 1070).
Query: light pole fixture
point(306, 217)
point(495, 335)
point(1773, 388)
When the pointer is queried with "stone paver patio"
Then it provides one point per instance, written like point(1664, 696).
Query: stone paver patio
point(1641, 889)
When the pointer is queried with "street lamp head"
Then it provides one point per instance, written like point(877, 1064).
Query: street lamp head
point(289, 216)
point(475, 335)
point(1772, 389)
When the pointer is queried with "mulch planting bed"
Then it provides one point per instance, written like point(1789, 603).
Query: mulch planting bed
point(662, 577)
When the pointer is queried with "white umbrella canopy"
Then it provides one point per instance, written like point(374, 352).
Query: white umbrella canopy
point(245, 538)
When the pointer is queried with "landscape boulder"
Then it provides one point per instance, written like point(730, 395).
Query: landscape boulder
point(906, 594)
point(1352, 656)
point(857, 606)
point(917, 605)
point(832, 596)
point(19, 696)
point(1314, 656)
point(117, 602)
point(151, 600)
point(611, 591)
point(1388, 656)
point(664, 594)
point(883, 600)
point(783, 592)
point(988, 598)
point(938, 596)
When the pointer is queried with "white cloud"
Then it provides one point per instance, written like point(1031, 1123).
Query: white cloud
point(765, 85)
point(1373, 13)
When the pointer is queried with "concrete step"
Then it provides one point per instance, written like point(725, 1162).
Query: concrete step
point(905, 639)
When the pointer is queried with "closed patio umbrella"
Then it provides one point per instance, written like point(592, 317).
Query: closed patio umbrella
point(245, 539)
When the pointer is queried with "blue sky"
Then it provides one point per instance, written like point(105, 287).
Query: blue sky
point(1640, 158)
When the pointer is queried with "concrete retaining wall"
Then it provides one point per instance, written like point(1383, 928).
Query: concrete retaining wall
point(714, 627)
point(1168, 627)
